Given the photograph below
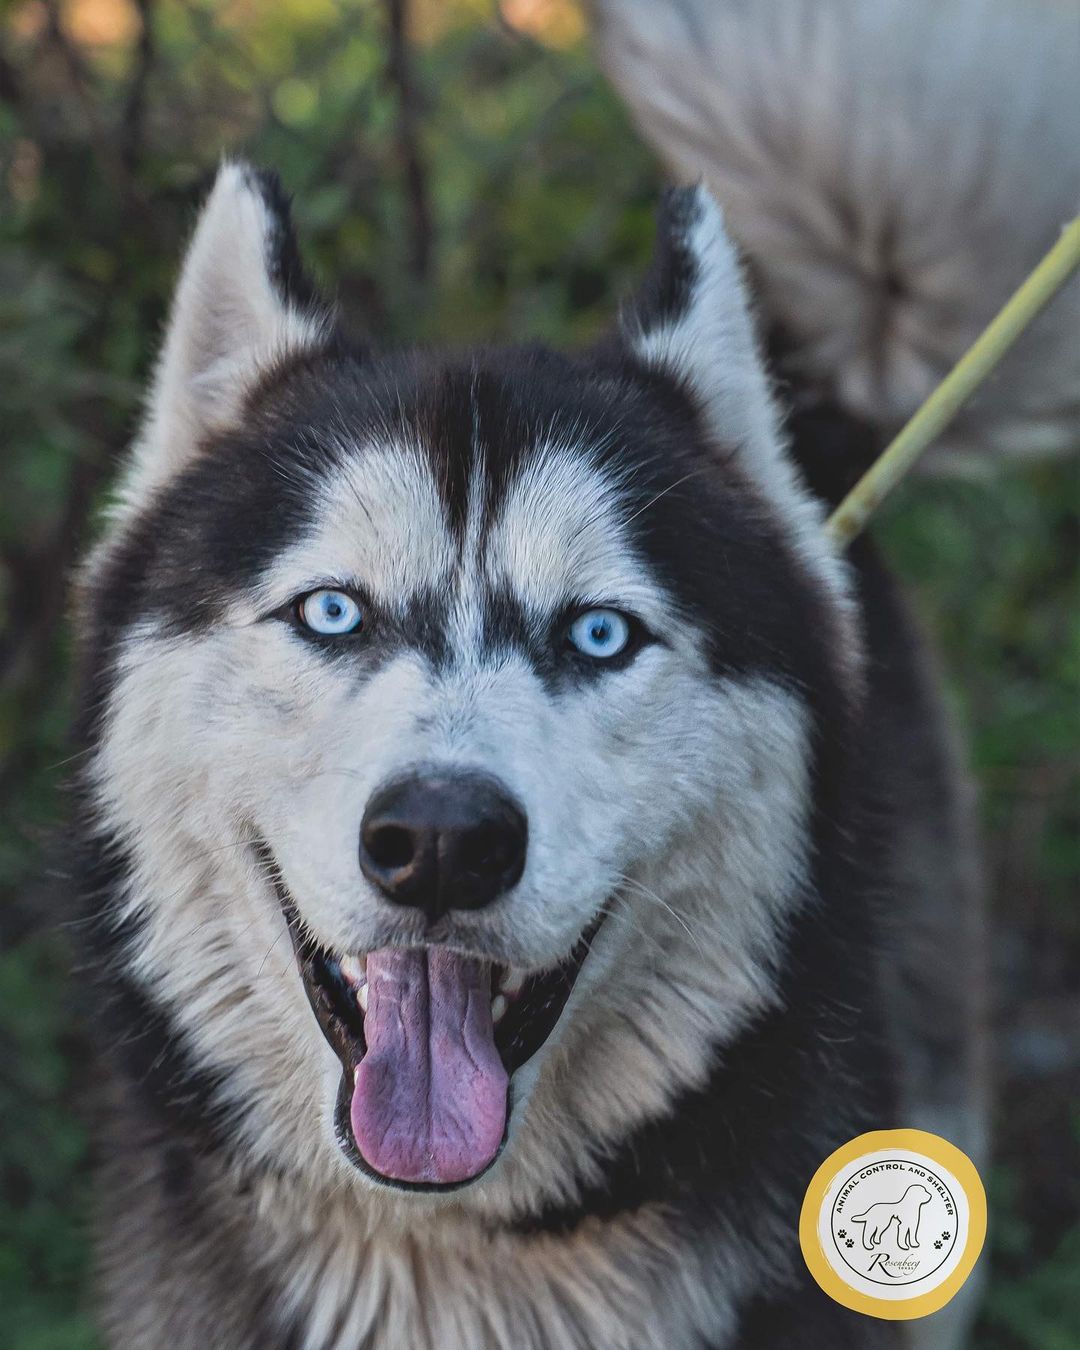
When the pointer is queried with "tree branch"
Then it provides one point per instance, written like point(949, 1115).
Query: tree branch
point(400, 75)
point(134, 116)
point(109, 160)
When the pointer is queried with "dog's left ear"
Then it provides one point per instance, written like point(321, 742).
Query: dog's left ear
point(242, 303)
point(692, 320)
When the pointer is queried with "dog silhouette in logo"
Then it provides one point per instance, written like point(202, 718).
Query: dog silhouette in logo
point(905, 1211)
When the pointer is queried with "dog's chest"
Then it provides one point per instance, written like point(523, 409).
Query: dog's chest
point(626, 1285)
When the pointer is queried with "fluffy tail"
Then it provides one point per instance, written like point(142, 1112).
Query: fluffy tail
point(892, 169)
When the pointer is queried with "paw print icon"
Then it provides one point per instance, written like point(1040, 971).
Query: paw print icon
point(850, 1242)
point(945, 1237)
point(937, 1244)
point(841, 1232)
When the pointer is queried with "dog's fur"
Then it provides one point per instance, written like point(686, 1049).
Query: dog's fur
point(763, 803)
point(892, 169)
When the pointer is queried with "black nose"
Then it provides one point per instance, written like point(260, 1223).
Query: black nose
point(453, 841)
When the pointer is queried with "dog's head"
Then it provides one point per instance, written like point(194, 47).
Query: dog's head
point(454, 722)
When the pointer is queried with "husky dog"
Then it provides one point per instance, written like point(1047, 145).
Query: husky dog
point(518, 848)
point(507, 829)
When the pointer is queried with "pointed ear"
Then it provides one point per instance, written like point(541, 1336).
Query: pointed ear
point(242, 303)
point(692, 320)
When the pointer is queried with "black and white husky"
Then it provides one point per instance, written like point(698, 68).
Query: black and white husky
point(519, 848)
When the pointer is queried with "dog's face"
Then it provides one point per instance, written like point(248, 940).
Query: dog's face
point(454, 719)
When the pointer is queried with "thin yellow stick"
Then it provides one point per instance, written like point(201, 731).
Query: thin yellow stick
point(969, 372)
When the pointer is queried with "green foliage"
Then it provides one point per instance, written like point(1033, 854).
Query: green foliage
point(994, 568)
point(534, 216)
point(43, 1164)
point(1042, 1310)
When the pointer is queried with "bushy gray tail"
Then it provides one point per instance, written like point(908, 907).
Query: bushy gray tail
point(892, 169)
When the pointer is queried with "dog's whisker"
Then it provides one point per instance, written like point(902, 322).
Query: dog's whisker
point(694, 473)
point(641, 889)
point(269, 950)
point(614, 913)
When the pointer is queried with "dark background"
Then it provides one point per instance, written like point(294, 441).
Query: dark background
point(460, 172)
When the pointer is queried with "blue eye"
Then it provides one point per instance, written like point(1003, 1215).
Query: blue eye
point(331, 613)
point(600, 633)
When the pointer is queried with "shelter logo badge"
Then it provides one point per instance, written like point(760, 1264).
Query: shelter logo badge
point(893, 1223)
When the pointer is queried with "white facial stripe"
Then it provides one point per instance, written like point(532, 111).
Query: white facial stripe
point(465, 615)
point(560, 535)
point(380, 522)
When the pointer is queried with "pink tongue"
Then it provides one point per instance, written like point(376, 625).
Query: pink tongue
point(430, 1097)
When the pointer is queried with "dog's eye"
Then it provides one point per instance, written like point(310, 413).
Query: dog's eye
point(330, 613)
point(600, 633)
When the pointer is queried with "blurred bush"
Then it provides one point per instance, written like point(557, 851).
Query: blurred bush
point(460, 173)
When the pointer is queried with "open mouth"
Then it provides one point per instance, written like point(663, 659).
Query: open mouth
point(428, 1040)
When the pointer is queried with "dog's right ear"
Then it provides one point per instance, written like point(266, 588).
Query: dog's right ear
point(242, 303)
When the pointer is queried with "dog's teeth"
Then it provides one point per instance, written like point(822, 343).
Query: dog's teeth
point(353, 968)
point(361, 996)
point(512, 980)
point(498, 1007)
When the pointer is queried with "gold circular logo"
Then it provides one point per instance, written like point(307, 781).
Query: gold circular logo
point(893, 1223)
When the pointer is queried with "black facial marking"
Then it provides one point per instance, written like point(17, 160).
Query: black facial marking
point(508, 628)
point(509, 427)
point(423, 626)
point(446, 422)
